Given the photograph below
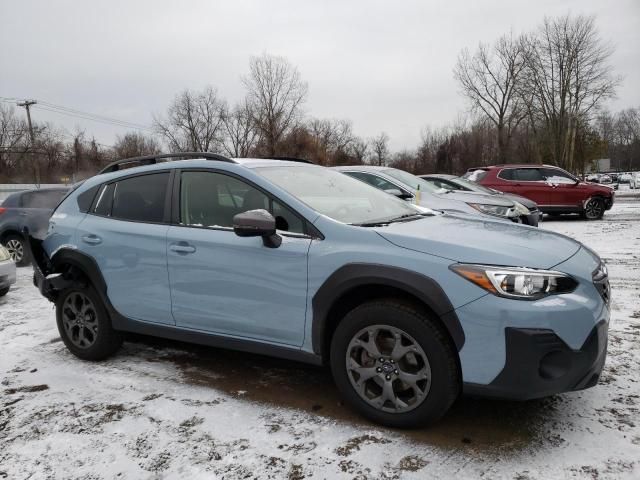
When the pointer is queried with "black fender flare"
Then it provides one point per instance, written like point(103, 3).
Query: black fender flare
point(354, 275)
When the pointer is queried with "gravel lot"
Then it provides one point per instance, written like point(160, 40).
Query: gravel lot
point(168, 410)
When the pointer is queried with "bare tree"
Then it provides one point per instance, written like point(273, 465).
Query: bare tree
point(380, 149)
point(194, 121)
point(489, 79)
point(135, 144)
point(567, 77)
point(359, 149)
point(13, 132)
point(331, 138)
point(240, 130)
point(276, 92)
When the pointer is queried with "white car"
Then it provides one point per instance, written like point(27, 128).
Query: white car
point(7, 271)
point(634, 181)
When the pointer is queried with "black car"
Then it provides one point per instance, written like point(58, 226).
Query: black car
point(29, 209)
point(452, 182)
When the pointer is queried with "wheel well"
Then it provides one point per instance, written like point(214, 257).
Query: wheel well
point(8, 233)
point(363, 293)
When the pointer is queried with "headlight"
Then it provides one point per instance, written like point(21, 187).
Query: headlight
point(521, 209)
point(519, 283)
point(495, 210)
point(4, 254)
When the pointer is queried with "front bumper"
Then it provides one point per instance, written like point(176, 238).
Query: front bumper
point(7, 274)
point(540, 364)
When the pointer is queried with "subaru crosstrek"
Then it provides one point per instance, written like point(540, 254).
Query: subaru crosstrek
point(300, 261)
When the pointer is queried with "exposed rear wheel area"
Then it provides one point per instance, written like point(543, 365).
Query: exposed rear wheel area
point(84, 325)
point(394, 364)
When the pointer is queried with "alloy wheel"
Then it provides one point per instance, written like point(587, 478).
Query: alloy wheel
point(388, 369)
point(593, 209)
point(80, 320)
point(15, 249)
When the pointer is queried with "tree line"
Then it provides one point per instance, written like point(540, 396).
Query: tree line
point(533, 98)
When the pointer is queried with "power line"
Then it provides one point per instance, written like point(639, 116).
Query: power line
point(72, 112)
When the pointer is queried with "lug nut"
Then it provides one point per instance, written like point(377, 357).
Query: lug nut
point(381, 360)
point(396, 372)
point(378, 369)
point(388, 377)
point(391, 360)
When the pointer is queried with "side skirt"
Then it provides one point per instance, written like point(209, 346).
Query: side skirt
point(212, 340)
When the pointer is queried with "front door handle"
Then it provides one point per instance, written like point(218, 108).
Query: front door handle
point(91, 239)
point(182, 247)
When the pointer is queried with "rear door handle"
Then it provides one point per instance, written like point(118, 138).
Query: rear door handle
point(182, 247)
point(91, 239)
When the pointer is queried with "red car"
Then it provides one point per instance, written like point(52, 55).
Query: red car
point(553, 189)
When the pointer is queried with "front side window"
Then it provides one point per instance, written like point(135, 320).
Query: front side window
point(373, 180)
point(556, 176)
point(337, 195)
point(140, 198)
point(411, 181)
point(209, 199)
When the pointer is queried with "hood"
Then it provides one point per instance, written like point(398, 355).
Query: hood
point(474, 240)
point(475, 197)
point(530, 204)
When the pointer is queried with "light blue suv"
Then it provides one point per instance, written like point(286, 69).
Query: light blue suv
point(299, 261)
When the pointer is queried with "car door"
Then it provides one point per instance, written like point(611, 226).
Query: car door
point(529, 182)
point(230, 285)
point(563, 189)
point(125, 232)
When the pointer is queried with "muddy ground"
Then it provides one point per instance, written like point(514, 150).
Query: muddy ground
point(161, 409)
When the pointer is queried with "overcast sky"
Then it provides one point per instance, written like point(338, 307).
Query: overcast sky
point(385, 65)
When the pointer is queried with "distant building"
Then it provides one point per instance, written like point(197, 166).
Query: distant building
point(600, 165)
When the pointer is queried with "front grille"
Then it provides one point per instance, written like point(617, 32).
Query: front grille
point(601, 282)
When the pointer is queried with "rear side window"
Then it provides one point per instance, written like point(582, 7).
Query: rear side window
point(528, 175)
point(12, 200)
point(43, 199)
point(506, 174)
point(85, 199)
point(139, 199)
point(105, 200)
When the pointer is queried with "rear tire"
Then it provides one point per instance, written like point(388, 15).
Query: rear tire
point(84, 324)
point(407, 387)
point(4, 291)
point(17, 247)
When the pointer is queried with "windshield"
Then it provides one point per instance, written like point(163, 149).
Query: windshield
point(412, 181)
point(337, 195)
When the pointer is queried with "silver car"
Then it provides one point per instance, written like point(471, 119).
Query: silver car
point(7, 271)
point(415, 189)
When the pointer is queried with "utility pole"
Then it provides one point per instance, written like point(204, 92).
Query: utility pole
point(36, 171)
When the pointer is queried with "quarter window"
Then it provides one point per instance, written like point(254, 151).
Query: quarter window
point(140, 198)
point(505, 174)
point(209, 199)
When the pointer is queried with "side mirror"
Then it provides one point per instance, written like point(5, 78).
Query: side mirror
point(257, 223)
point(396, 192)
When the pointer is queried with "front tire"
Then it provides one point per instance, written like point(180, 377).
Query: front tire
point(84, 325)
point(594, 209)
point(394, 364)
point(17, 248)
point(4, 291)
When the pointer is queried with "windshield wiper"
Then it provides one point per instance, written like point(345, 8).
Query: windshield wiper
point(402, 218)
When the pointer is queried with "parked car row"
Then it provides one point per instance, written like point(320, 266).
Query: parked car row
point(409, 306)
point(554, 190)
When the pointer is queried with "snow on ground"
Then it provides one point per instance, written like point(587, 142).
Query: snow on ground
point(165, 410)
